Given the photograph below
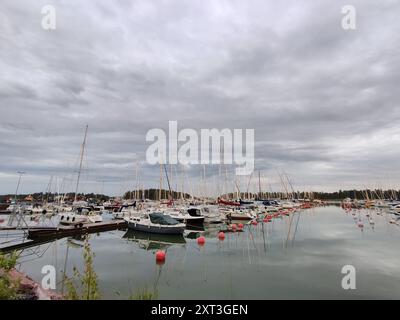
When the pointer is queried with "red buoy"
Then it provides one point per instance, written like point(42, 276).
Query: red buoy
point(240, 226)
point(160, 257)
point(233, 226)
point(201, 241)
point(254, 222)
point(221, 236)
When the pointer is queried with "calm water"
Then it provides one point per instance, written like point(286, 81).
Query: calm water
point(261, 263)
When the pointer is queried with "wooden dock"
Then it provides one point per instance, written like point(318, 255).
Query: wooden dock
point(66, 231)
point(39, 235)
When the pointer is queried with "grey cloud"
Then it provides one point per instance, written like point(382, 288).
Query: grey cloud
point(323, 101)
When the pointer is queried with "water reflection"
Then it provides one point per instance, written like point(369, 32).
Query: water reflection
point(149, 241)
point(298, 257)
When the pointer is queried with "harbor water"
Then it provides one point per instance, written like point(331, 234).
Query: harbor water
point(294, 257)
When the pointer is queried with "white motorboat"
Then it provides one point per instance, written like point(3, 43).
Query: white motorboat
point(211, 214)
point(80, 217)
point(396, 210)
point(155, 222)
point(190, 216)
point(239, 214)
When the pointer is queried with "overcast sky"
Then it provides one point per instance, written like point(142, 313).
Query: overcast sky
point(324, 101)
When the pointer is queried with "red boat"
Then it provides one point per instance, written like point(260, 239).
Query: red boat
point(228, 203)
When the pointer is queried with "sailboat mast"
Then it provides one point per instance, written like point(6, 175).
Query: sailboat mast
point(80, 163)
point(169, 186)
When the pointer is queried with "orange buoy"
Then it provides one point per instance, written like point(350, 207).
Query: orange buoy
point(221, 236)
point(201, 241)
point(160, 257)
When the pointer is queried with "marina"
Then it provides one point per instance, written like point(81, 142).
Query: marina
point(290, 256)
point(220, 151)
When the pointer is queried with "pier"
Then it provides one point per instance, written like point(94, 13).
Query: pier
point(65, 231)
point(37, 235)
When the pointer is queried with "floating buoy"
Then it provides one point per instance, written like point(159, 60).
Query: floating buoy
point(221, 236)
point(201, 241)
point(240, 226)
point(254, 222)
point(233, 227)
point(160, 257)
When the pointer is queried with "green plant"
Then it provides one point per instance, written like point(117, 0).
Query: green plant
point(7, 262)
point(144, 294)
point(8, 287)
point(88, 281)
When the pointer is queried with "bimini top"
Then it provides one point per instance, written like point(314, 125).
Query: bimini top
point(163, 219)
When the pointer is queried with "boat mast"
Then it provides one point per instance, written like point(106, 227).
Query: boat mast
point(20, 174)
point(81, 162)
point(161, 183)
point(169, 186)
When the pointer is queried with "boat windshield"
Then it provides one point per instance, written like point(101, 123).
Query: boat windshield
point(194, 212)
point(163, 219)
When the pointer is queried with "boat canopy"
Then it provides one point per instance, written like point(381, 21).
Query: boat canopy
point(163, 219)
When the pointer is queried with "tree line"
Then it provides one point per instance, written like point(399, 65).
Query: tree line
point(157, 194)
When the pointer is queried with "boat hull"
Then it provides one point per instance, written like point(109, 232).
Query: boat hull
point(155, 229)
point(240, 217)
